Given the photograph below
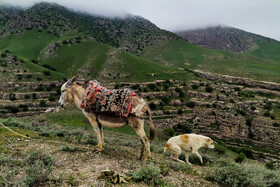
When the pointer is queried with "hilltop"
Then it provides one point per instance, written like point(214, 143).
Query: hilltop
point(58, 20)
point(233, 39)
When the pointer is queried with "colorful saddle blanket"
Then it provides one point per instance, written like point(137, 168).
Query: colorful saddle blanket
point(99, 99)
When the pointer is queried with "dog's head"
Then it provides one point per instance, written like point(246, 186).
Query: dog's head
point(66, 97)
point(209, 143)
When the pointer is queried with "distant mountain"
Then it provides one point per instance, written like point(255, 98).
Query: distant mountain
point(133, 33)
point(232, 39)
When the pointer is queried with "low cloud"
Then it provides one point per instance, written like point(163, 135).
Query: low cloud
point(257, 16)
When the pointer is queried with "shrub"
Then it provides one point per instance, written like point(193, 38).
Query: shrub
point(148, 174)
point(240, 158)
point(40, 168)
point(180, 91)
point(220, 149)
point(208, 89)
point(117, 86)
point(253, 108)
point(180, 111)
point(152, 86)
point(276, 125)
point(247, 151)
point(47, 73)
point(51, 98)
point(153, 106)
point(232, 174)
point(249, 122)
point(270, 165)
point(194, 86)
point(190, 104)
point(237, 89)
point(169, 131)
point(69, 149)
point(43, 103)
point(266, 114)
point(165, 100)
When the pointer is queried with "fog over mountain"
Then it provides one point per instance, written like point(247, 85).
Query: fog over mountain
point(256, 16)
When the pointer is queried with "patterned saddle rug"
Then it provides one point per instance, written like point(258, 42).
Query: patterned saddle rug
point(99, 99)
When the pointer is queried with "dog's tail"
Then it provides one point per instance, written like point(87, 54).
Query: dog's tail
point(167, 146)
point(152, 126)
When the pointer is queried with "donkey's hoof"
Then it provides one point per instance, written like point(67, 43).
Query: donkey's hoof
point(99, 147)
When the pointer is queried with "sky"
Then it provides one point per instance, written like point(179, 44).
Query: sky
point(256, 16)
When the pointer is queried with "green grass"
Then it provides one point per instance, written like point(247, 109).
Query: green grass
point(69, 59)
point(267, 50)
point(177, 52)
point(27, 45)
point(186, 55)
point(141, 70)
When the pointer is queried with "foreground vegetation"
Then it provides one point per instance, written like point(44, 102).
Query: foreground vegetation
point(63, 154)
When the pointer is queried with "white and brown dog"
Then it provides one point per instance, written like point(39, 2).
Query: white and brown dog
point(190, 143)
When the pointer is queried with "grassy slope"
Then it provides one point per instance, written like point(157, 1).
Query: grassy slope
point(183, 54)
point(141, 69)
point(122, 146)
point(68, 59)
point(27, 46)
point(267, 50)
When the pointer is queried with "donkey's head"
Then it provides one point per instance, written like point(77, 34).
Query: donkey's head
point(66, 93)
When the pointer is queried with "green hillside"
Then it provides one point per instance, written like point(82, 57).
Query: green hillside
point(183, 54)
point(68, 59)
point(267, 50)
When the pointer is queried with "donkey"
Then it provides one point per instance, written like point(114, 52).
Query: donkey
point(72, 91)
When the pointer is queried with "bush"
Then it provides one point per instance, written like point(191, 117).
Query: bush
point(180, 91)
point(152, 86)
point(208, 89)
point(153, 106)
point(148, 174)
point(240, 158)
point(47, 73)
point(51, 98)
point(194, 86)
point(270, 165)
point(40, 168)
point(169, 131)
point(276, 125)
point(266, 114)
point(69, 149)
point(220, 149)
point(190, 104)
point(232, 174)
point(180, 111)
point(43, 103)
point(247, 151)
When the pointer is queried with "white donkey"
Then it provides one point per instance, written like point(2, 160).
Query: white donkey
point(73, 91)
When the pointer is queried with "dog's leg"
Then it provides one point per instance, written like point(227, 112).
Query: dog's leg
point(187, 157)
point(175, 152)
point(199, 156)
point(138, 126)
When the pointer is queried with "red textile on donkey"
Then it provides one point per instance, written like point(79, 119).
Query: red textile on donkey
point(99, 99)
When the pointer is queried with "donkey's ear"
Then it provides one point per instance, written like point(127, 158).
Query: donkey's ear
point(73, 79)
point(70, 81)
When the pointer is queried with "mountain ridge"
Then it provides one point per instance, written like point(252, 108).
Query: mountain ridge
point(225, 38)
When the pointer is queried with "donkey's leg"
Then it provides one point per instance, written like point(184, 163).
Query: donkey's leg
point(138, 125)
point(142, 149)
point(92, 119)
point(102, 134)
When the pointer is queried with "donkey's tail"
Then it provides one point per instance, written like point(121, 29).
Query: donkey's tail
point(152, 126)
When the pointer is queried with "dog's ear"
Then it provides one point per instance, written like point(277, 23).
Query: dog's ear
point(208, 139)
